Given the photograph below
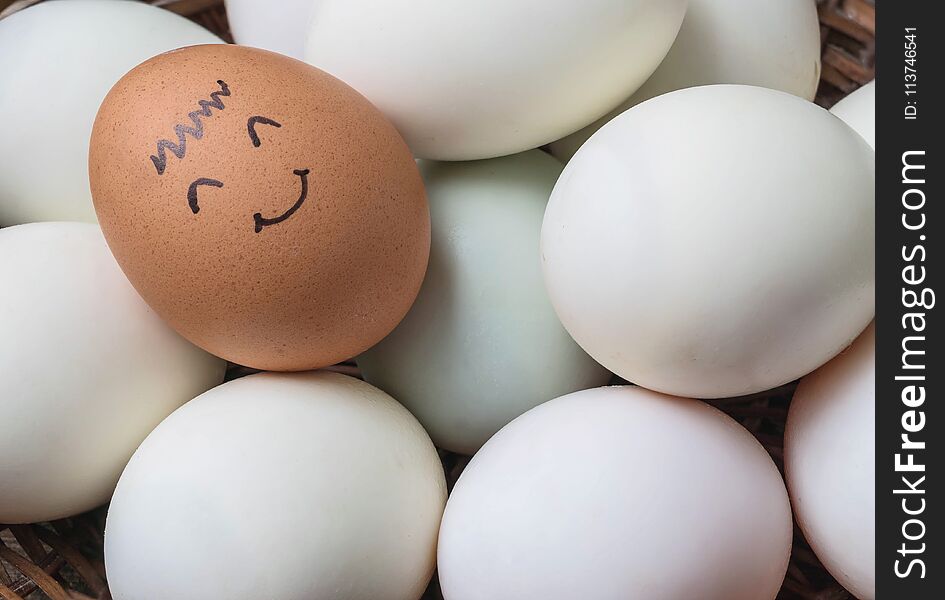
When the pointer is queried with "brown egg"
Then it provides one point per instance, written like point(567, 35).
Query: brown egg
point(265, 209)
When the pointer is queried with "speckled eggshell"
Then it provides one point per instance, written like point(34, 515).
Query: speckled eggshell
point(58, 60)
point(212, 241)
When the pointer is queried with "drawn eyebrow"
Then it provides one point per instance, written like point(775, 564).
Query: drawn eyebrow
point(178, 149)
point(192, 191)
point(251, 127)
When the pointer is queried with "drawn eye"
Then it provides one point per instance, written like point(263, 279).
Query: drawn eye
point(192, 191)
point(251, 127)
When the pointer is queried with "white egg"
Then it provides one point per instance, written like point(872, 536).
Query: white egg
point(59, 59)
point(277, 25)
point(481, 344)
point(304, 486)
point(858, 110)
point(714, 241)
point(87, 370)
point(768, 43)
point(829, 457)
point(468, 80)
point(617, 493)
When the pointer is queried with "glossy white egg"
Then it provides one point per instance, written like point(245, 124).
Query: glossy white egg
point(829, 456)
point(858, 110)
point(617, 493)
point(87, 370)
point(768, 43)
point(470, 80)
point(58, 59)
point(714, 241)
point(309, 486)
point(277, 25)
point(481, 344)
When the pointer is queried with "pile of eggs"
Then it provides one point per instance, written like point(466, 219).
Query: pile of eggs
point(493, 207)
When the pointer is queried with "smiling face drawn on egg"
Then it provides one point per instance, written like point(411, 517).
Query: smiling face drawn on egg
point(179, 149)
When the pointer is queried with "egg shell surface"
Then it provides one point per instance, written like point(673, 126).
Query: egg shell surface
point(319, 463)
point(277, 25)
point(265, 209)
point(615, 493)
point(87, 370)
point(58, 60)
point(715, 241)
point(829, 457)
point(481, 345)
point(471, 80)
point(858, 110)
point(768, 43)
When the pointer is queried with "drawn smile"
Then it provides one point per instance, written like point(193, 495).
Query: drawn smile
point(179, 149)
point(258, 219)
point(262, 221)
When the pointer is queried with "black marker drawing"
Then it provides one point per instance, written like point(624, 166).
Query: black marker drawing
point(251, 127)
point(263, 222)
point(178, 149)
point(160, 161)
point(192, 191)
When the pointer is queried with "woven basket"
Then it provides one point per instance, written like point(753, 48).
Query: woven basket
point(63, 560)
